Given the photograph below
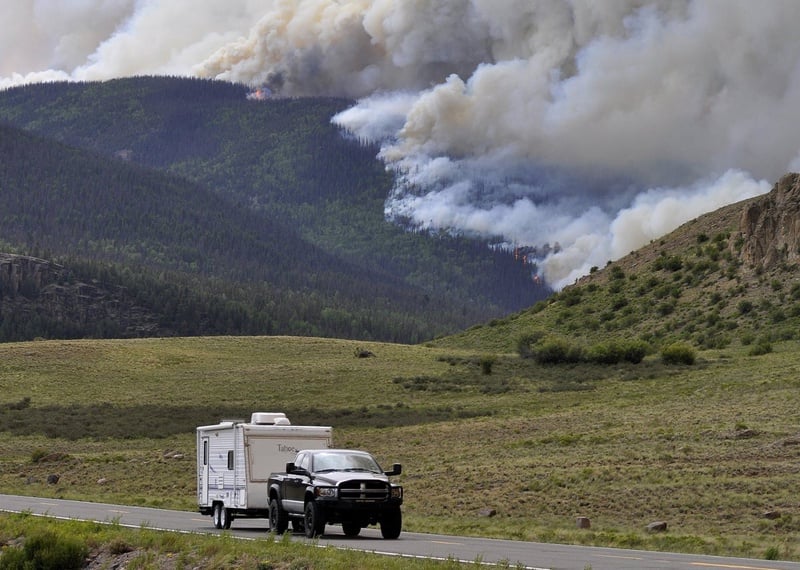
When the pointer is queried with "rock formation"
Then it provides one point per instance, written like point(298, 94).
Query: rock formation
point(770, 226)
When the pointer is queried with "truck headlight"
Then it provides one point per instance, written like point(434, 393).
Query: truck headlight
point(397, 492)
point(327, 492)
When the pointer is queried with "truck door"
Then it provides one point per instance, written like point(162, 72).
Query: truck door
point(294, 485)
point(203, 482)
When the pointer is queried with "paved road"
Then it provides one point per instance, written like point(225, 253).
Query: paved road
point(528, 554)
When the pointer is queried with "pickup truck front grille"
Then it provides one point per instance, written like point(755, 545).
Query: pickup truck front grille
point(363, 490)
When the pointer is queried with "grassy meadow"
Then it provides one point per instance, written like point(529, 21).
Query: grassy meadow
point(711, 449)
point(61, 545)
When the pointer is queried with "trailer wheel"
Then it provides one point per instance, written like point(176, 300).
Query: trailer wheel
point(216, 515)
point(278, 519)
point(225, 518)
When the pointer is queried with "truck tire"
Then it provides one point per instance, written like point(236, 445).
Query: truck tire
point(314, 520)
point(278, 519)
point(391, 523)
point(351, 528)
point(216, 515)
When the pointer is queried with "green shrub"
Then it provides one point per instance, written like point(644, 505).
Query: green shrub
point(556, 350)
point(486, 364)
point(618, 303)
point(526, 342)
point(634, 351)
point(46, 550)
point(614, 352)
point(604, 353)
point(678, 353)
point(571, 296)
point(38, 454)
point(761, 347)
point(666, 308)
point(672, 263)
point(745, 307)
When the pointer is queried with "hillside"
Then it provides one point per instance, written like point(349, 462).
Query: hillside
point(260, 214)
point(710, 448)
point(728, 277)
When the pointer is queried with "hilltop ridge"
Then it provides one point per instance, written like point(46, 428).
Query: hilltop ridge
point(729, 276)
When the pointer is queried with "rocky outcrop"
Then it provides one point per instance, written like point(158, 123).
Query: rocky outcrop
point(770, 226)
point(32, 287)
point(20, 271)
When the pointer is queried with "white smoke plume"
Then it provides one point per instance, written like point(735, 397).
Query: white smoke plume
point(595, 124)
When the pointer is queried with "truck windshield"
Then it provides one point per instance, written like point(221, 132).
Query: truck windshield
point(345, 462)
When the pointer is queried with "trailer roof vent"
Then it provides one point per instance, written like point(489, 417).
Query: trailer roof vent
point(269, 418)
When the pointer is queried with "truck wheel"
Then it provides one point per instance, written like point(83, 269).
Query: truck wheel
point(225, 518)
point(278, 519)
point(217, 515)
point(351, 528)
point(314, 520)
point(391, 523)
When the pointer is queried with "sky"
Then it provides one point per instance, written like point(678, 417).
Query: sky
point(594, 125)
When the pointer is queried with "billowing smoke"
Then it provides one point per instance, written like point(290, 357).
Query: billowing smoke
point(598, 125)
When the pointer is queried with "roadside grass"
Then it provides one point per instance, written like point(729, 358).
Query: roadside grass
point(112, 545)
point(711, 449)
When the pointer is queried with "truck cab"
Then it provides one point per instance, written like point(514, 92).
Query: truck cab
point(335, 486)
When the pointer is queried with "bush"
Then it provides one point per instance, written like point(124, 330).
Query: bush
point(672, 263)
point(745, 307)
point(761, 347)
point(526, 342)
point(605, 353)
point(556, 350)
point(45, 550)
point(678, 353)
point(486, 364)
point(634, 351)
point(614, 352)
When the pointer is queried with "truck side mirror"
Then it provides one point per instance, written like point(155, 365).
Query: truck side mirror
point(290, 467)
point(396, 470)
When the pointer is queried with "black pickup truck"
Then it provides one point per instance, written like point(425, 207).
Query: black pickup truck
point(335, 486)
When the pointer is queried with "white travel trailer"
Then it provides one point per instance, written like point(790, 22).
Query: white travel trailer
point(235, 459)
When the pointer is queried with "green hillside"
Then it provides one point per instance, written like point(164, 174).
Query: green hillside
point(261, 204)
point(693, 285)
point(538, 418)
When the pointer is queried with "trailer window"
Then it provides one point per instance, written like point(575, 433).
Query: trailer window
point(230, 460)
point(205, 452)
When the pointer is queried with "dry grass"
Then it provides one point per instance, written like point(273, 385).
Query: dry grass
point(709, 448)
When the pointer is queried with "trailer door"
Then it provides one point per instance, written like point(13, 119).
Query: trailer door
point(203, 482)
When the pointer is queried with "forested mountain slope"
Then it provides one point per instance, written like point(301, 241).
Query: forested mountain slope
point(261, 206)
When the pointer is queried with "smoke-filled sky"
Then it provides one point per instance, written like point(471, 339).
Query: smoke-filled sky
point(598, 125)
